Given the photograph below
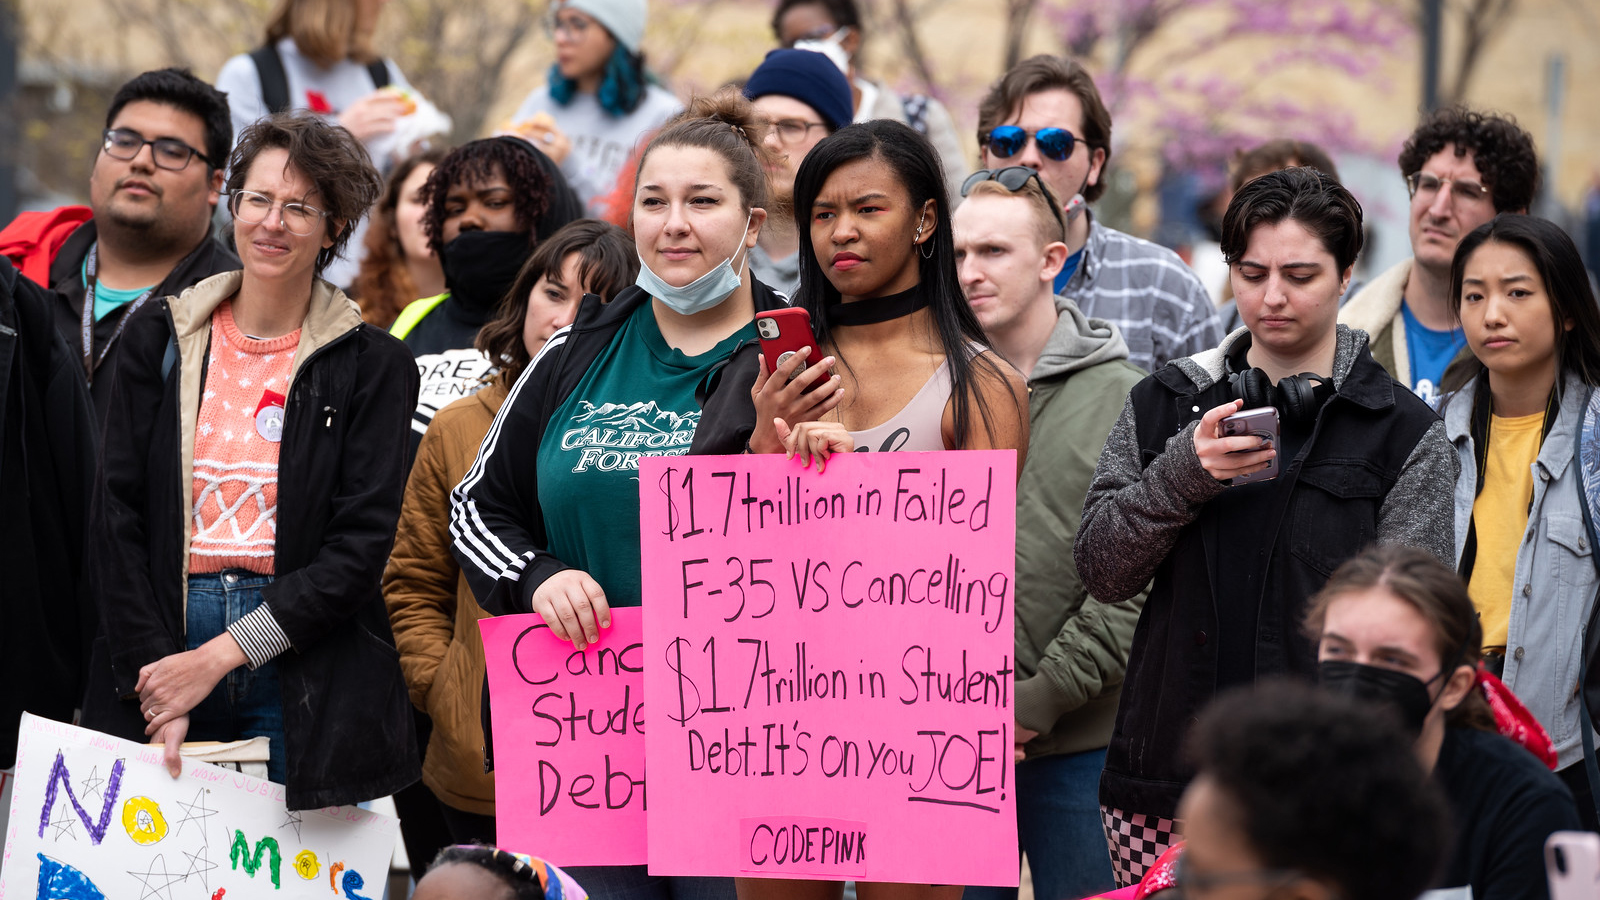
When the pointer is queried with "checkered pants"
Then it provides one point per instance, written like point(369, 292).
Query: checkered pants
point(1136, 841)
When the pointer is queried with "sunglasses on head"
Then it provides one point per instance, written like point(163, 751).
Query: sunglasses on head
point(1012, 178)
point(1006, 141)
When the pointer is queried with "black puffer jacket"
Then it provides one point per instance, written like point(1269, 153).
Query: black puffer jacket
point(347, 717)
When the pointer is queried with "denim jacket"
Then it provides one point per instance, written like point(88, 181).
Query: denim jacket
point(1555, 569)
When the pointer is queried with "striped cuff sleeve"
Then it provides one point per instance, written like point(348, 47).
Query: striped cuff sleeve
point(259, 636)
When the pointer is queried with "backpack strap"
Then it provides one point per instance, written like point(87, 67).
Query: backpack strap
point(916, 107)
point(274, 80)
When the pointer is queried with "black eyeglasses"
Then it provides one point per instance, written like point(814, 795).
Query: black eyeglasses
point(793, 131)
point(168, 153)
point(1012, 178)
point(1006, 141)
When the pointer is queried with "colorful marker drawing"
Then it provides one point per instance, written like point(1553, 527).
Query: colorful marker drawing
point(58, 780)
point(142, 819)
point(207, 833)
point(59, 881)
point(240, 853)
point(307, 864)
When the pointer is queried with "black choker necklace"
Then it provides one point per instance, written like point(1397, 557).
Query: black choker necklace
point(878, 309)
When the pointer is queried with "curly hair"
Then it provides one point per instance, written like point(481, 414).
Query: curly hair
point(1323, 787)
point(384, 286)
point(478, 161)
point(1305, 195)
point(607, 264)
point(336, 164)
point(1502, 151)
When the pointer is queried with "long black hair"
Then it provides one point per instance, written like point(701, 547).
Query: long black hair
point(1566, 282)
point(915, 163)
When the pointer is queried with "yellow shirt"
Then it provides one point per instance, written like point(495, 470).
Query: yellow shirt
point(1500, 516)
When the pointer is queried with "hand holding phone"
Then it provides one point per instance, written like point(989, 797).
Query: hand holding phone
point(794, 382)
point(1227, 457)
point(1262, 423)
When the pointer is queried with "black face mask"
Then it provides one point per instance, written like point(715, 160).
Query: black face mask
point(1406, 694)
point(480, 266)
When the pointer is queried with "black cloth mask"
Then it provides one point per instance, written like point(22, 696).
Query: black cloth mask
point(479, 268)
point(1406, 694)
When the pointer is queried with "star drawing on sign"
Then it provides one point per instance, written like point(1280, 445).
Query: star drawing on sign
point(91, 784)
point(199, 866)
point(63, 822)
point(157, 880)
point(196, 812)
point(292, 818)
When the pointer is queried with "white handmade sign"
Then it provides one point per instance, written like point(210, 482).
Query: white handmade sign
point(93, 816)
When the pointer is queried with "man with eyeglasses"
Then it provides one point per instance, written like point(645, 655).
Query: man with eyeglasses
point(804, 98)
point(1046, 114)
point(1462, 168)
point(147, 231)
point(1072, 652)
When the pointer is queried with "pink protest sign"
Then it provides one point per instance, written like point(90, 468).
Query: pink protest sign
point(829, 666)
point(568, 740)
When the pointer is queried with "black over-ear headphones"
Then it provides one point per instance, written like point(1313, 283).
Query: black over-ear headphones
point(1295, 397)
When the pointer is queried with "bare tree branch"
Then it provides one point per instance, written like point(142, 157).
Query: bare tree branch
point(1480, 24)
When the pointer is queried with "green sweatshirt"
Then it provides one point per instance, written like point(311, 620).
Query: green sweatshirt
point(1072, 651)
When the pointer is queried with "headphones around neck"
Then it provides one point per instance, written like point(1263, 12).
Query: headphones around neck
point(1295, 397)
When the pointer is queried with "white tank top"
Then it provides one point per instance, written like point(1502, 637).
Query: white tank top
point(919, 425)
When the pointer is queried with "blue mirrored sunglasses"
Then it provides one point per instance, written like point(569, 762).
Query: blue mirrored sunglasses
point(1006, 141)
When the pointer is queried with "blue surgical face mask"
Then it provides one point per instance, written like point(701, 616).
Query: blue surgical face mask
point(704, 292)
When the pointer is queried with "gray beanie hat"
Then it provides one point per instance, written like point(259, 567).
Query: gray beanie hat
point(623, 18)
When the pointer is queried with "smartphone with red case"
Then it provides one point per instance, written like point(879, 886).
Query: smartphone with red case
point(784, 332)
point(1572, 865)
point(1261, 422)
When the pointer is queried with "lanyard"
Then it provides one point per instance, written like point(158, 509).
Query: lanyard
point(90, 361)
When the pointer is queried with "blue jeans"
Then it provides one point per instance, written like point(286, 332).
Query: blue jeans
point(1058, 824)
point(635, 883)
point(245, 703)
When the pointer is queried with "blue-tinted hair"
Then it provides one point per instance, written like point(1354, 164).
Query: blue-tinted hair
point(621, 91)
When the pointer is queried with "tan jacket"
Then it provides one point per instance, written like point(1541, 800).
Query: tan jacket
point(1375, 309)
point(434, 614)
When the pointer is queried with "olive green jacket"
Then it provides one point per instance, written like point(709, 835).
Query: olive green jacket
point(1072, 651)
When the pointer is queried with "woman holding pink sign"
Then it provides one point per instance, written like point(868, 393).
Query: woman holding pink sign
point(547, 518)
point(878, 277)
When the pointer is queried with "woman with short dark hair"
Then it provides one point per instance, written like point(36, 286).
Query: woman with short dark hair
point(1233, 555)
point(249, 489)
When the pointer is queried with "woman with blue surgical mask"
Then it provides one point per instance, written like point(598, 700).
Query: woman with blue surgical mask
point(547, 518)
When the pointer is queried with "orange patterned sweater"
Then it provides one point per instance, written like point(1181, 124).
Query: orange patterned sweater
point(235, 486)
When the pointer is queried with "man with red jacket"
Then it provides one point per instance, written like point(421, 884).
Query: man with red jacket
point(147, 231)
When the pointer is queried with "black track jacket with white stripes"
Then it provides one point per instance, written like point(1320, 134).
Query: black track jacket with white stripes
point(496, 524)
